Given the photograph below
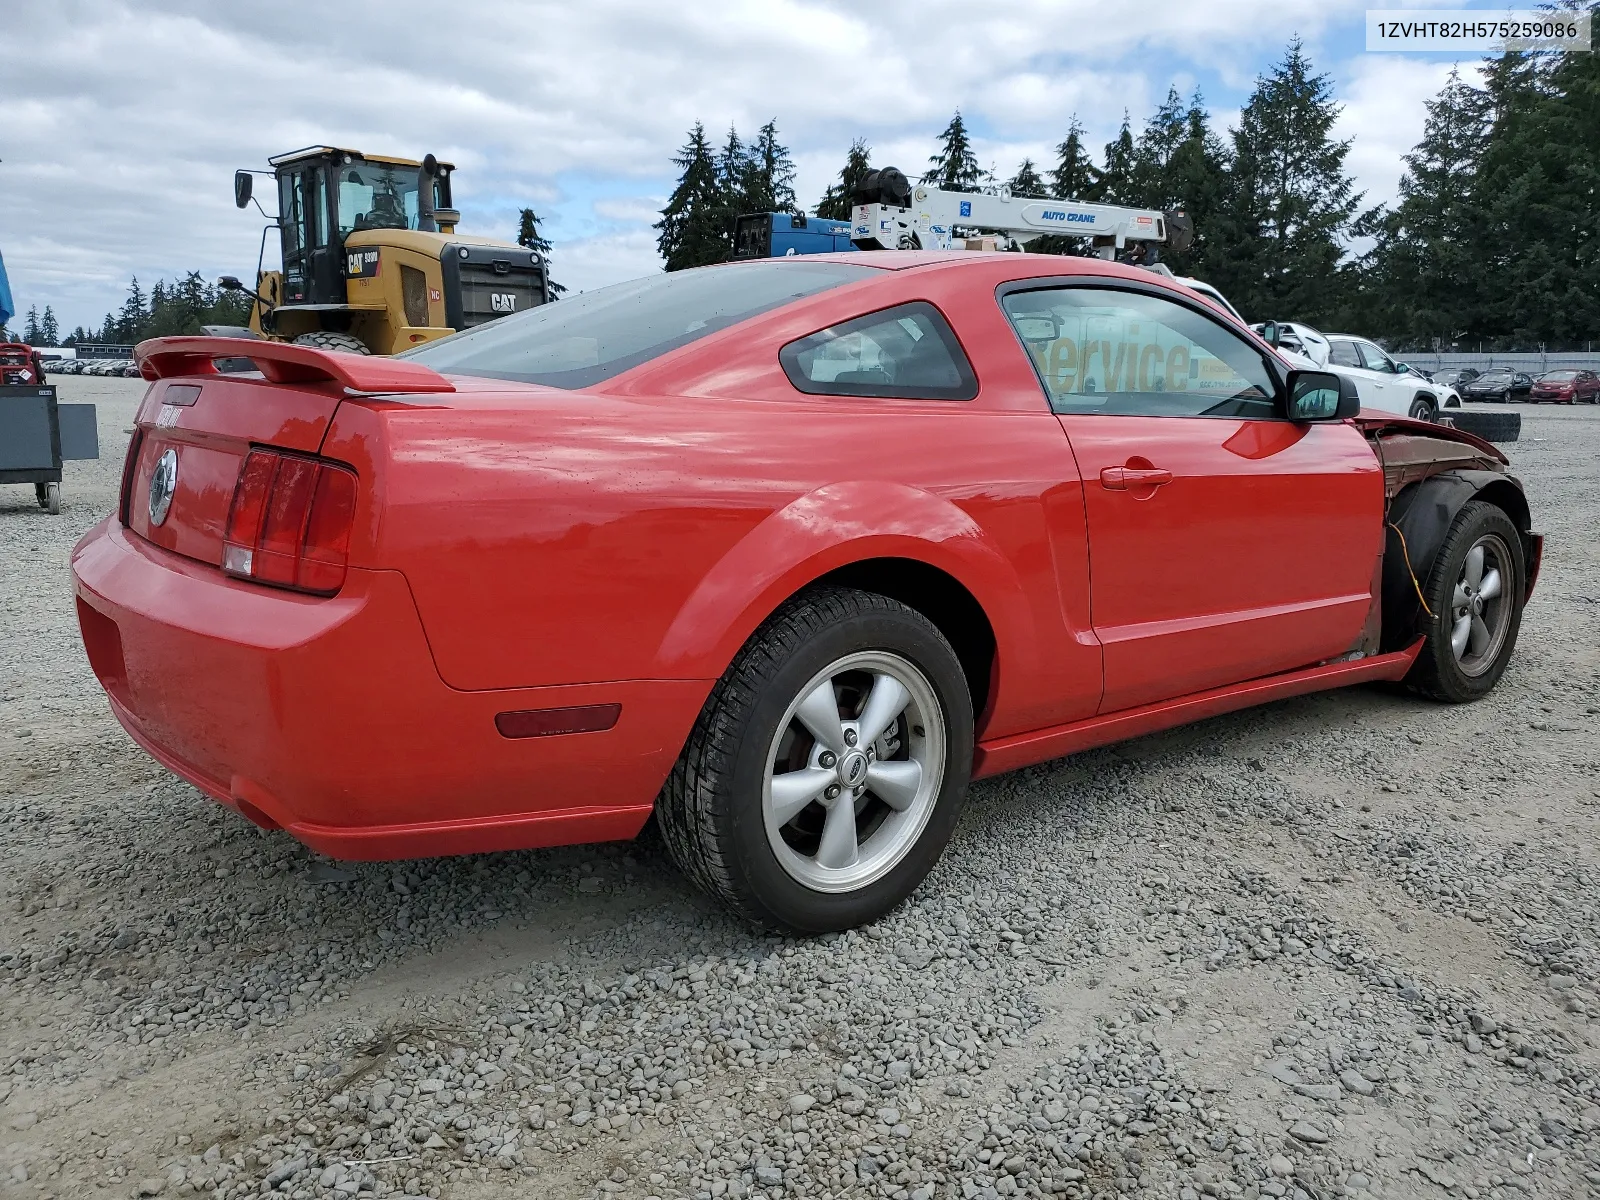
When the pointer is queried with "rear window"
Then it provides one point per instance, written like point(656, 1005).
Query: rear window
point(584, 339)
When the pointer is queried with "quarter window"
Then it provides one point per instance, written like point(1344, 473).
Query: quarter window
point(1126, 353)
point(908, 352)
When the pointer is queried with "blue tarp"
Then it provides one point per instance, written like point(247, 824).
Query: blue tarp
point(7, 305)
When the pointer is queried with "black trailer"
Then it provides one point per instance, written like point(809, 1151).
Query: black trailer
point(37, 434)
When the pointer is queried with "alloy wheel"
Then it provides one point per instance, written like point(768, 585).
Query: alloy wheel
point(854, 771)
point(1480, 609)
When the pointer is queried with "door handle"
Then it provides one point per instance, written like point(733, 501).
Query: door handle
point(1120, 479)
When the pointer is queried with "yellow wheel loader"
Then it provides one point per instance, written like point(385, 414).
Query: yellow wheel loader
point(372, 263)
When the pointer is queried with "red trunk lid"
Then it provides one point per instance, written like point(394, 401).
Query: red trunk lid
point(208, 432)
point(207, 422)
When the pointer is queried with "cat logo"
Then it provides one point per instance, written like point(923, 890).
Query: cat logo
point(503, 302)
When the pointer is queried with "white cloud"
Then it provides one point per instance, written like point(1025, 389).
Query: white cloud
point(1385, 104)
point(125, 118)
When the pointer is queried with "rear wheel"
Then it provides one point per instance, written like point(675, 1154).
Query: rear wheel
point(326, 339)
point(828, 767)
point(1475, 593)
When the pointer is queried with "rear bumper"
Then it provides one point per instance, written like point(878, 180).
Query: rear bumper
point(328, 718)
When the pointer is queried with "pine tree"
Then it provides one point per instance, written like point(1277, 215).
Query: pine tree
point(1117, 182)
point(1195, 182)
point(30, 327)
point(835, 203)
point(691, 231)
point(1424, 278)
point(1074, 177)
point(1153, 153)
point(49, 330)
point(955, 167)
point(131, 320)
point(1537, 190)
point(767, 180)
point(1290, 199)
point(1027, 182)
point(529, 236)
point(732, 171)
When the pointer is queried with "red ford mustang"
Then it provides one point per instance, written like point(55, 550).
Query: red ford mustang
point(783, 552)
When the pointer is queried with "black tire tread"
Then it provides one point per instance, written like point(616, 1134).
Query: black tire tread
point(684, 808)
point(327, 339)
point(1426, 676)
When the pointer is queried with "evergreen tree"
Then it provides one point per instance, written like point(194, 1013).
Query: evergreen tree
point(691, 231)
point(1154, 151)
point(1424, 280)
point(1290, 199)
point(835, 203)
point(767, 179)
point(529, 236)
point(1195, 182)
point(1117, 182)
point(131, 320)
point(733, 167)
point(30, 327)
point(49, 330)
point(1074, 177)
point(1537, 190)
point(955, 167)
point(1027, 182)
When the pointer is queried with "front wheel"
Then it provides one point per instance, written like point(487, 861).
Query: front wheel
point(829, 765)
point(1475, 593)
point(1422, 409)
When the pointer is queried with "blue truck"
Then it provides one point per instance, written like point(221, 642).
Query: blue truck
point(779, 234)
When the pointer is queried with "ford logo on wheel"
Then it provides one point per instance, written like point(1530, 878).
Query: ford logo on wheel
point(163, 482)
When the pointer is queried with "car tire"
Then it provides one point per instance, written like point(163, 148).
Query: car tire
point(1471, 635)
point(326, 339)
point(1423, 409)
point(803, 865)
point(1490, 426)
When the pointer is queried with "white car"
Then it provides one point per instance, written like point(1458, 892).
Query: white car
point(1382, 383)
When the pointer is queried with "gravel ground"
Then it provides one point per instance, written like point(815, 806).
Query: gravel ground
point(1345, 945)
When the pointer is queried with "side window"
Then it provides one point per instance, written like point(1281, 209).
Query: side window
point(289, 208)
point(318, 205)
point(908, 352)
point(1343, 354)
point(1098, 350)
point(1375, 359)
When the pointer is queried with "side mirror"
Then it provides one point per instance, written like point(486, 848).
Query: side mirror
point(230, 283)
point(1270, 335)
point(242, 185)
point(1321, 396)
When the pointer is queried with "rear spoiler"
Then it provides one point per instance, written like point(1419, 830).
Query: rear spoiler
point(284, 362)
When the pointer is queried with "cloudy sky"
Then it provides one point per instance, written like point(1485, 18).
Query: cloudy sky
point(121, 121)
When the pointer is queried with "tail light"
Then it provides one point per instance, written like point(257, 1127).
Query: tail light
point(289, 524)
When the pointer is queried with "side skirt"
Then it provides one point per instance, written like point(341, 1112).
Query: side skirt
point(1025, 749)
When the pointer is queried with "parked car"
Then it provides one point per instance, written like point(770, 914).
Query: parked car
point(1455, 376)
point(129, 370)
point(1382, 383)
point(1566, 387)
point(783, 551)
point(1498, 384)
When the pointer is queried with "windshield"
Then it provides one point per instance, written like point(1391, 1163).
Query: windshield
point(584, 339)
point(1559, 377)
point(373, 196)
